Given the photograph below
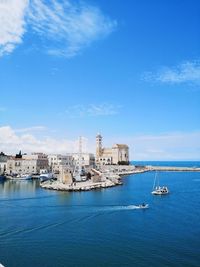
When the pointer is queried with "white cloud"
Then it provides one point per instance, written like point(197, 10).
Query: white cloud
point(65, 27)
point(92, 110)
point(186, 72)
point(163, 146)
point(30, 129)
point(169, 146)
point(11, 141)
point(12, 24)
point(68, 25)
point(166, 146)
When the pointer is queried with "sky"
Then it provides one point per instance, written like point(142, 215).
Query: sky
point(129, 70)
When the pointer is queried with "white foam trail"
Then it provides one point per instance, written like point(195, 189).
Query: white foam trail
point(115, 208)
point(1, 265)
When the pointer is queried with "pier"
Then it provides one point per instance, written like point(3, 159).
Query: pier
point(110, 176)
point(79, 186)
point(174, 169)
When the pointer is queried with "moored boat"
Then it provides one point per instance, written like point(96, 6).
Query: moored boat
point(46, 176)
point(19, 177)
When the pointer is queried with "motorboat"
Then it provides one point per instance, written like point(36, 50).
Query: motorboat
point(46, 176)
point(143, 206)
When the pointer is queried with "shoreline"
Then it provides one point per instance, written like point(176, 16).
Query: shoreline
point(111, 176)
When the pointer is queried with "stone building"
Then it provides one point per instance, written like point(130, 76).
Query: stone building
point(117, 154)
point(27, 164)
point(3, 162)
point(58, 162)
point(87, 159)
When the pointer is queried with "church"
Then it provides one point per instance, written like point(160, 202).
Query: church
point(117, 154)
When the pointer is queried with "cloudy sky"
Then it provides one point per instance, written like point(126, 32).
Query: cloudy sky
point(130, 71)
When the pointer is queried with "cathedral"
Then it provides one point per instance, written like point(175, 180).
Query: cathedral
point(117, 154)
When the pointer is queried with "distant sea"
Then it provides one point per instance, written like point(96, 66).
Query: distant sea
point(168, 163)
point(42, 228)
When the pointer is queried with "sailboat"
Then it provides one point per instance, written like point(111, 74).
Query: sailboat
point(157, 189)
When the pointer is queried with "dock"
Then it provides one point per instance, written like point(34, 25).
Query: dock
point(78, 186)
point(174, 169)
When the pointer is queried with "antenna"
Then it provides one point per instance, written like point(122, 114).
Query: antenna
point(80, 154)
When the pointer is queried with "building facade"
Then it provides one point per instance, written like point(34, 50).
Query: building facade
point(3, 162)
point(58, 162)
point(117, 154)
point(87, 159)
point(27, 164)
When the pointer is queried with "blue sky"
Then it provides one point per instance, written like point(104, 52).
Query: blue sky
point(128, 69)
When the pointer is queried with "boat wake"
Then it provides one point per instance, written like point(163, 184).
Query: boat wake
point(119, 208)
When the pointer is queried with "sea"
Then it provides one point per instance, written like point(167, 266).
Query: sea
point(103, 228)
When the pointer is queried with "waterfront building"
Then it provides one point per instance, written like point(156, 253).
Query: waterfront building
point(87, 160)
point(27, 164)
point(58, 162)
point(3, 162)
point(117, 154)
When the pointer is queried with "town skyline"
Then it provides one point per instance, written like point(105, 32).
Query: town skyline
point(130, 72)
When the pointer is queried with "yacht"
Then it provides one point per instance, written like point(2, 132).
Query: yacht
point(159, 190)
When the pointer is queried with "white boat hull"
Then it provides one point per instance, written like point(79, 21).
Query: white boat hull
point(20, 178)
point(158, 192)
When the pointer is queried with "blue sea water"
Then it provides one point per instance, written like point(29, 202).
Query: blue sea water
point(102, 228)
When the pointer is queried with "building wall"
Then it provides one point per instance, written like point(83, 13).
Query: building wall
point(88, 159)
point(3, 167)
point(56, 162)
point(22, 166)
point(3, 162)
point(28, 164)
point(41, 158)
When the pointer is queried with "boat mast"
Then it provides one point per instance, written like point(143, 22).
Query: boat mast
point(155, 180)
point(78, 163)
point(80, 156)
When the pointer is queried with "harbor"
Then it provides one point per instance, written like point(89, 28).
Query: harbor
point(110, 176)
point(87, 222)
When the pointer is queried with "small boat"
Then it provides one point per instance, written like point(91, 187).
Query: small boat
point(46, 176)
point(159, 190)
point(143, 206)
point(20, 177)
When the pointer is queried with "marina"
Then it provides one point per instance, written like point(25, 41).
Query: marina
point(105, 226)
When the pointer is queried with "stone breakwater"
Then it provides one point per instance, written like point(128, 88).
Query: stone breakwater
point(109, 176)
point(79, 186)
point(176, 169)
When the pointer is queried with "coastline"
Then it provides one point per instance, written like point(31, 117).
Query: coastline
point(111, 176)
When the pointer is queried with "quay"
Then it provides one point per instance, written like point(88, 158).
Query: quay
point(79, 186)
point(109, 176)
point(175, 169)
